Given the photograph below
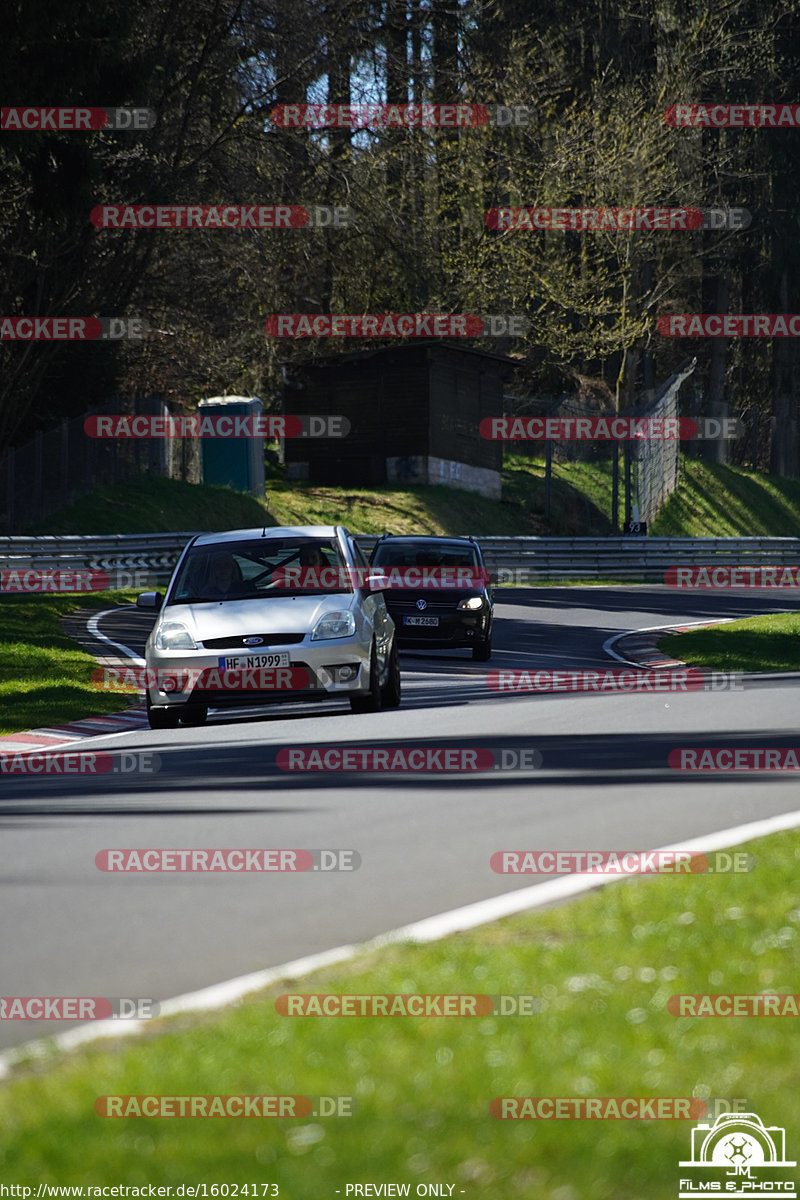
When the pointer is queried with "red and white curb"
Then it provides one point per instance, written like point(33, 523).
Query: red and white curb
point(62, 735)
point(640, 646)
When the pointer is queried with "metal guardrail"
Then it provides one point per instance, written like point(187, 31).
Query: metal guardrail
point(634, 558)
point(150, 558)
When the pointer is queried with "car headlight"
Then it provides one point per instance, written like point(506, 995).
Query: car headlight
point(340, 623)
point(174, 636)
point(470, 605)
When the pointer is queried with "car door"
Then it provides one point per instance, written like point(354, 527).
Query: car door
point(374, 606)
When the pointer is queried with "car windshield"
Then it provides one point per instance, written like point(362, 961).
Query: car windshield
point(411, 554)
point(260, 568)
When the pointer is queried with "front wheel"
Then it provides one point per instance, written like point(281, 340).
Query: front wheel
point(194, 714)
point(482, 650)
point(390, 692)
point(369, 702)
point(162, 718)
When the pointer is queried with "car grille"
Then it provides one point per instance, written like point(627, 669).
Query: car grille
point(238, 643)
point(433, 607)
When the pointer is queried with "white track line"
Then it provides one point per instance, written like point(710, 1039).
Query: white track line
point(609, 642)
point(429, 929)
point(91, 626)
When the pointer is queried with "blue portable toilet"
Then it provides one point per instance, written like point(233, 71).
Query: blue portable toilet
point(235, 462)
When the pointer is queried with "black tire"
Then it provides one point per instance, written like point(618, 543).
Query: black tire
point(482, 650)
point(391, 690)
point(369, 702)
point(194, 714)
point(162, 718)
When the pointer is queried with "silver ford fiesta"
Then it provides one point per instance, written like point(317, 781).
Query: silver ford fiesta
point(256, 617)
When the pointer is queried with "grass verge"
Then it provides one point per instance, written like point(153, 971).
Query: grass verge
point(756, 644)
point(603, 967)
point(45, 678)
point(151, 504)
point(421, 510)
point(713, 500)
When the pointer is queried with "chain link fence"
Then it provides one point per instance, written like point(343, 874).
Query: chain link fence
point(62, 464)
point(656, 461)
point(642, 473)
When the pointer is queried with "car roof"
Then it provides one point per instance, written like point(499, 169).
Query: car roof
point(428, 540)
point(271, 531)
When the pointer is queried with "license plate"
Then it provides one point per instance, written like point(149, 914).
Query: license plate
point(248, 662)
point(428, 622)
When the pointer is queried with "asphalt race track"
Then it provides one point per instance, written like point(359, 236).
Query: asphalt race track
point(424, 841)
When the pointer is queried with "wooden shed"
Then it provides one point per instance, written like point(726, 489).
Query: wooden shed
point(414, 412)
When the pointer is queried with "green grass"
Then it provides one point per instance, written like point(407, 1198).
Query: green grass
point(45, 677)
point(580, 500)
point(711, 500)
point(720, 501)
point(151, 504)
point(768, 643)
point(420, 510)
point(603, 967)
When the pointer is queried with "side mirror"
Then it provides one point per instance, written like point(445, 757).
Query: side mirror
point(150, 600)
point(376, 580)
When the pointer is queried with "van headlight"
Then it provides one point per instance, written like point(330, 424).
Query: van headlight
point(338, 624)
point(470, 605)
point(174, 636)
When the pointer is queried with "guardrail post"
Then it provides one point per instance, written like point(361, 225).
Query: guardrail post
point(548, 477)
point(626, 450)
point(64, 448)
point(11, 515)
point(37, 475)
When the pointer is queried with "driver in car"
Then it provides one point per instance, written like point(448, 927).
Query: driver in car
point(312, 562)
point(224, 577)
point(312, 556)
